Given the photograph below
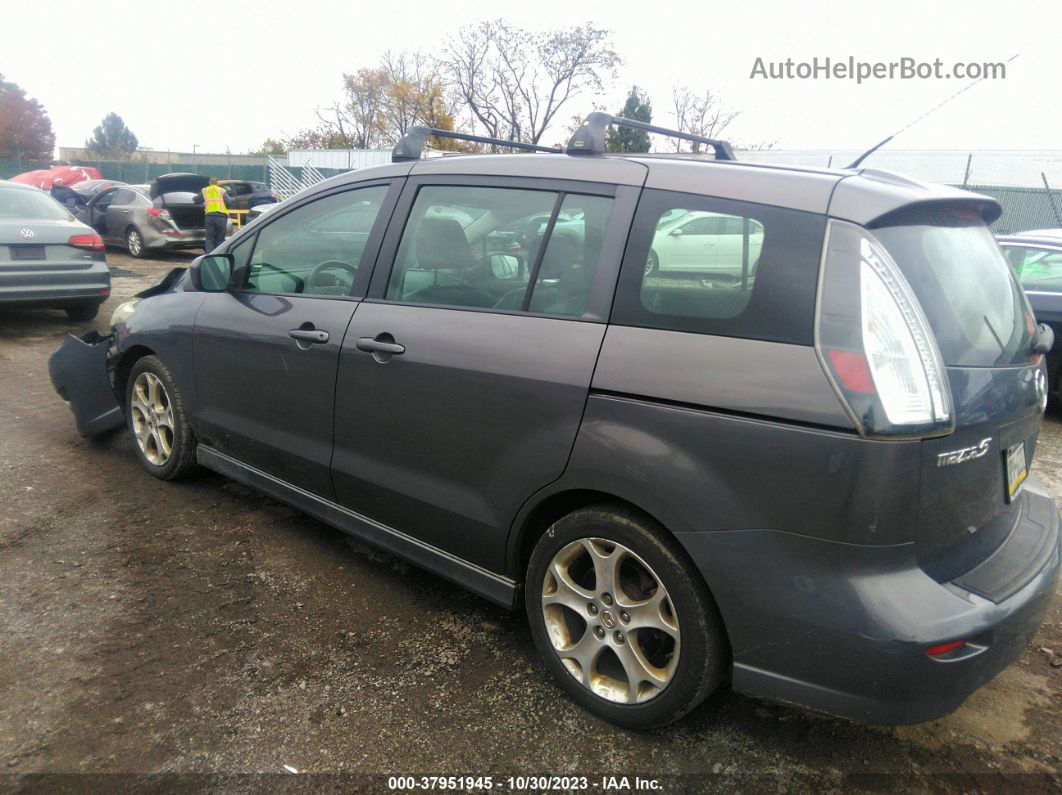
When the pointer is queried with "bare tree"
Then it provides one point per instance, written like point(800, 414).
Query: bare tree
point(699, 114)
point(514, 82)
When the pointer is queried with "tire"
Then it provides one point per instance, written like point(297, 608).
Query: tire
point(80, 313)
point(652, 264)
point(134, 242)
point(162, 436)
point(573, 619)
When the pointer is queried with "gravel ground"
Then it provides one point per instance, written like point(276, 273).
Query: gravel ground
point(153, 631)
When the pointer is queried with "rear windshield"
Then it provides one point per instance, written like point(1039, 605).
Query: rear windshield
point(30, 205)
point(968, 293)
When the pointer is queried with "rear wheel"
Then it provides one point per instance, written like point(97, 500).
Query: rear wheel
point(652, 263)
point(82, 312)
point(134, 241)
point(622, 619)
point(165, 443)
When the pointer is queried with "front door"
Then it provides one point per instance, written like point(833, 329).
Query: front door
point(462, 383)
point(266, 353)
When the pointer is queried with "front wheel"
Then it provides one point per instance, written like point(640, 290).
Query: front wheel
point(622, 619)
point(165, 443)
point(652, 264)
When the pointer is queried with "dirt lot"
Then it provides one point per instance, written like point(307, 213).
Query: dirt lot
point(197, 628)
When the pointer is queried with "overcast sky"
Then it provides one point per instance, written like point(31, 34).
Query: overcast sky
point(271, 63)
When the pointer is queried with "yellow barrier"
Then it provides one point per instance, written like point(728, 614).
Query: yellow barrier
point(238, 220)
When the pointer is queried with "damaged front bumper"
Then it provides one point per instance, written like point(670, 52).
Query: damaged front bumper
point(80, 374)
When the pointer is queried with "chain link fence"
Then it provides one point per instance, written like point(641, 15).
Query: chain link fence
point(1010, 178)
point(136, 172)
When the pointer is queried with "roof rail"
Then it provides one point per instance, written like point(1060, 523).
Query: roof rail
point(409, 146)
point(589, 139)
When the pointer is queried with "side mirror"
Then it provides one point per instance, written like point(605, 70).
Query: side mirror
point(504, 266)
point(211, 273)
point(1043, 339)
point(677, 232)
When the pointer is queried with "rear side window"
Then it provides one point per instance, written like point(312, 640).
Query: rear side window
point(713, 266)
point(965, 286)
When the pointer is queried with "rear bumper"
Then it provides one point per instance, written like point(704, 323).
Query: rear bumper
point(844, 628)
point(175, 238)
point(55, 284)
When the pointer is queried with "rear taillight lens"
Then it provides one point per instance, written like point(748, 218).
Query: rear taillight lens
point(87, 242)
point(157, 213)
point(875, 342)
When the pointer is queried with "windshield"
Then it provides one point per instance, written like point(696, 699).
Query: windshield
point(967, 291)
point(30, 205)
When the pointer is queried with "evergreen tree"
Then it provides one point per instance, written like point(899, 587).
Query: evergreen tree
point(624, 139)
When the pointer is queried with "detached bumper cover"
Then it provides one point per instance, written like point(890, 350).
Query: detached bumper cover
point(79, 374)
point(844, 628)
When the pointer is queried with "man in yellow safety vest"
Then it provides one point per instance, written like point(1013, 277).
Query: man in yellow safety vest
point(217, 215)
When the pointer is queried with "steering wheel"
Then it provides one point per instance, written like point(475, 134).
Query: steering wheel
point(329, 265)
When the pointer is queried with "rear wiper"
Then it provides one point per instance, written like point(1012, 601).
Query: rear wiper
point(999, 342)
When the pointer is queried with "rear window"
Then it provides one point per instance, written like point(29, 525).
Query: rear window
point(714, 266)
point(965, 286)
point(18, 204)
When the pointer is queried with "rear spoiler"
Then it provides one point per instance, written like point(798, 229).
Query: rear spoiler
point(871, 197)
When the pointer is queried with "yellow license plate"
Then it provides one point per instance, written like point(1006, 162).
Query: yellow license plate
point(1017, 469)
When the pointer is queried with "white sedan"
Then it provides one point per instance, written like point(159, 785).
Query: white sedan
point(706, 243)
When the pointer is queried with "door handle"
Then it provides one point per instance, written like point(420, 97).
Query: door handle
point(370, 345)
point(311, 335)
point(382, 347)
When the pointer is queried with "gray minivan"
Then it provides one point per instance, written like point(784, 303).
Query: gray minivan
point(802, 468)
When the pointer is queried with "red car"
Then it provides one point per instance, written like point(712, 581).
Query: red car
point(65, 176)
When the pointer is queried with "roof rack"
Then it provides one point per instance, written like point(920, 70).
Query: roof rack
point(589, 139)
point(410, 145)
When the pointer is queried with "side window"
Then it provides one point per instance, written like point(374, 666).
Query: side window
point(125, 196)
point(1037, 268)
point(571, 256)
point(714, 266)
point(315, 249)
point(470, 246)
point(105, 200)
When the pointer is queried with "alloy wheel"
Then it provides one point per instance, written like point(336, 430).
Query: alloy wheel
point(152, 416)
point(135, 244)
point(610, 620)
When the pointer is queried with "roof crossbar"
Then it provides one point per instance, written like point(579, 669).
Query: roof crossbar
point(410, 145)
point(589, 139)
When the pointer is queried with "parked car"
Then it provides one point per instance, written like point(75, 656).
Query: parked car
point(710, 244)
point(90, 187)
point(146, 218)
point(814, 483)
point(243, 194)
point(47, 258)
point(45, 178)
point(1036, 257)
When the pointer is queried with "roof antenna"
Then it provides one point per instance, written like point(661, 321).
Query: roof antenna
point(855, 163)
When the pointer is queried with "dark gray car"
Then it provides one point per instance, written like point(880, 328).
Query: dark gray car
point(810, 478)
point(1036, 257)
point(46, 257)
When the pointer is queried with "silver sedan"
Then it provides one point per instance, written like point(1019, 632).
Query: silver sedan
point(47, 258)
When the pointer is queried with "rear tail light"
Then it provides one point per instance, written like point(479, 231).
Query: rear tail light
point(87, 242)
point(875, 342)
point(157, 213)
